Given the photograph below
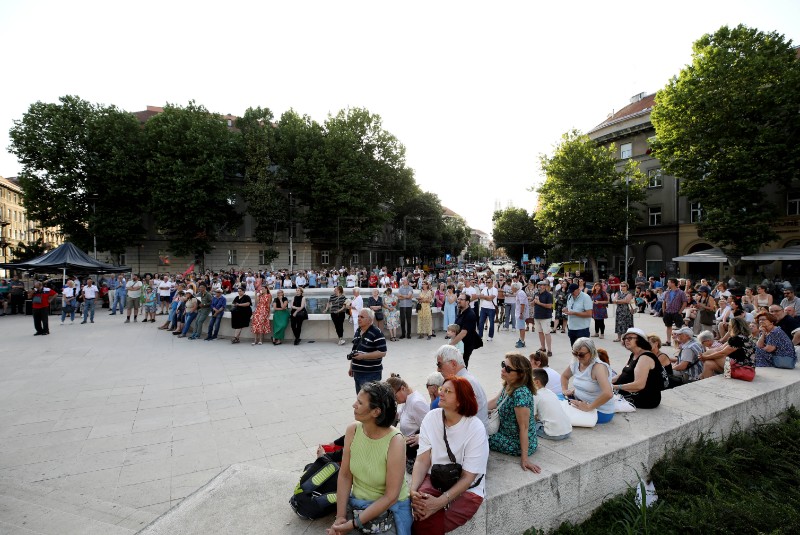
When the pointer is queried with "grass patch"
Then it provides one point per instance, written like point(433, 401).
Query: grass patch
point(749, 483)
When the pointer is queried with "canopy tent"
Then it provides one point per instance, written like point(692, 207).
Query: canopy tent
point(786, 253)
point(66, 257)
point(714, 255)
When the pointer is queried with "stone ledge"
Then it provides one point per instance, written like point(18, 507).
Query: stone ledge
point(578, 474)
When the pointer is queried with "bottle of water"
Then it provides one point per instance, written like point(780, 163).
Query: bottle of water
point(727, 372)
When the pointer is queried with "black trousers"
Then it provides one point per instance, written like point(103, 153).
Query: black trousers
point(405, 321)
point(17, 303)
point(40, 320)
point(338, 323)
point(297, 325)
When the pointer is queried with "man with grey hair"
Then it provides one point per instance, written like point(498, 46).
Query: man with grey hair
point(689, 366)
point(450, 362)
point(369, 348)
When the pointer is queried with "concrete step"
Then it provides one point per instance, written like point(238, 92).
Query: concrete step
point(33, 508)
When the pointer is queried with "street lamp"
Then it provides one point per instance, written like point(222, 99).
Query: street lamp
point(627, 207)
point(291, 235)
point(94, 196)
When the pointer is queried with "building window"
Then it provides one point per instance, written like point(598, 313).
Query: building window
point(654, 178)
point(232, 257)
point(793, 203)
point(325, 257)
point(625, 151)
point(122, 259)
point(654, 215)
point(354, 260)
point(294, 257)
point(695, 212)
point(262, 258)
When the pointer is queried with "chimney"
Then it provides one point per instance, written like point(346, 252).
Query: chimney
point(638, 97)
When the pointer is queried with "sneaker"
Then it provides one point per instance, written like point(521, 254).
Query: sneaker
point(62, 322)
point(491, 339)
point(519, 344)
point(84, 321)
point(341, 341)
point(135, 320)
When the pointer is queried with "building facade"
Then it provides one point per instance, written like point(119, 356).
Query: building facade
point(668, 223)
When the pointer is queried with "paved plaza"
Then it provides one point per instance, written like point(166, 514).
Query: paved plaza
point(106, 426)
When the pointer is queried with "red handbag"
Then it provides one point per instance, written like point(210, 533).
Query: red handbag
point(742, 372)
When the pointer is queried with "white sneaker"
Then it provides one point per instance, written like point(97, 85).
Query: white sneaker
point(490, 338)
point(341, 341)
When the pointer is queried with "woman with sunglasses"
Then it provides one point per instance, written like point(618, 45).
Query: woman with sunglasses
point(643, 377)
point(515, 403)
point(591, 383)
point(438, 511)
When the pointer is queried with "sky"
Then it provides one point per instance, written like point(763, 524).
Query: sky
point(476, 91)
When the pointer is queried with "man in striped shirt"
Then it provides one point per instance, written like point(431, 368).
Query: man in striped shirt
point(369, 348)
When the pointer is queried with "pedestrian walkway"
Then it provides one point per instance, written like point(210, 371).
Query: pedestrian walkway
point(108, 417)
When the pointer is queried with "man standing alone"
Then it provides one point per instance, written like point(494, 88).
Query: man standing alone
point(369, 348)
point(488, 308)
point(578, 312)
point(40, 303)
point(89, 292)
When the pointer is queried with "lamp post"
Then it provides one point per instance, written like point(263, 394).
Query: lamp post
point(291, 236)
point(94, 223)
point(627, 207)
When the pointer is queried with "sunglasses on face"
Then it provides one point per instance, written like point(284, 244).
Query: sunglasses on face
point(580, 354)
point(507, 368)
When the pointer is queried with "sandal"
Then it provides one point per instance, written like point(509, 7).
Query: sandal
point(235, 341)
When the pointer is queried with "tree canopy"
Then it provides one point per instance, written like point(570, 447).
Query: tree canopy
point(83, 171)
point(583, 198)
point(728, 127)
point(191, 159)
point(515, 230)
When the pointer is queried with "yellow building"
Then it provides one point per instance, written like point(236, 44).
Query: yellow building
point(15, 227)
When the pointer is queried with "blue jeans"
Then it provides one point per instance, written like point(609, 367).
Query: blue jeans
point(88, 305)
point(213, 327)
point(119, 297)
point(574, 334)
point(71, 303)
point(510, 309)
point(486, 313)
point(190, 316)
point(400, 510)
point(173, 307)
point(541, 433)
point(361, 378)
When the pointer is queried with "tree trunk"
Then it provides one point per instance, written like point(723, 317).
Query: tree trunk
point(595, 270)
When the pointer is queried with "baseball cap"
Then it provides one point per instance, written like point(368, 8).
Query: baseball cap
point(572, 287)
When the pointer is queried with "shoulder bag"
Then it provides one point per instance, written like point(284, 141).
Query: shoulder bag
point(444, 476)
point(494, 418)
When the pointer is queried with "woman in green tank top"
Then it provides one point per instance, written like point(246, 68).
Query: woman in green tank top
point(371, 488)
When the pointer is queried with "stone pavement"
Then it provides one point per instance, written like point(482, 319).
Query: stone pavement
point(106, 426)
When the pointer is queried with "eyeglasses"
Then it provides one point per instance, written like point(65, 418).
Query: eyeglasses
point(507, 368)
point(445, 390)
point(581, 354)
point(430, 385)
point(632, 337)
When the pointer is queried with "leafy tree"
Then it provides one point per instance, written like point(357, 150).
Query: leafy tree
point(420, 217)
point(354, 180)
point(583, 198)
point(515, 230)
point(28, 251)
point(477, 252)
point(191, 160)
point(728, 126)
point(455, 236)
point(265, 201)
point(82, 171)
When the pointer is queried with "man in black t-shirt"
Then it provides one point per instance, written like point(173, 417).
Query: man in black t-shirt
point(468, 321)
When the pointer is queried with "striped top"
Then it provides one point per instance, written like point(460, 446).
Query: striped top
point(372, 340)
point(368, 465)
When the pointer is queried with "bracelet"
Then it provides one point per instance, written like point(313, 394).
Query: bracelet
point(447, 495)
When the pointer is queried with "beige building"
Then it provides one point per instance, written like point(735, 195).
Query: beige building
point(668, 224)
point(14, 224)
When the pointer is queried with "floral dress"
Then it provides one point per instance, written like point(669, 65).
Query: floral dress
point(424, 318)
point(561, 302)
point(260, 323)
point(600, 311)
point(624, 317)
point(506, 440)
point(390, 312)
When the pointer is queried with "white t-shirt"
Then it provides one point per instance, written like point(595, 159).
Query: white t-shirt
point(351, 281)
point(300, 281)
point(553, 380)
point(164, 288)
point(471, 291)
point(413, 412)
point(357, 304)
point(134, 289)
point(485, 303)
point(90, 292)
point(480, 395)
point(386, 281)
point(550, 412)
point(468, 442)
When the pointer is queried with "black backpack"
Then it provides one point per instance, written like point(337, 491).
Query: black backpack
point(315, 495)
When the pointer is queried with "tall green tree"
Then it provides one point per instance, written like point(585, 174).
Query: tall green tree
point(583, 198)
point(728, 126)
point(83, 171)
point(191, 161)
point(266, 203)
point(420, 218)
point(514, 229)
point(355, 181)
point(455, 236)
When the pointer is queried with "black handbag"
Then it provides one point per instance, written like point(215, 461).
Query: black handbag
point(444, 476)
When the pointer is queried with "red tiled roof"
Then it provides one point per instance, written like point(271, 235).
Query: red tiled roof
point(631, 110)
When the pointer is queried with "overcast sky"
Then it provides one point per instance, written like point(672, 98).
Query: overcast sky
point(475, 91)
